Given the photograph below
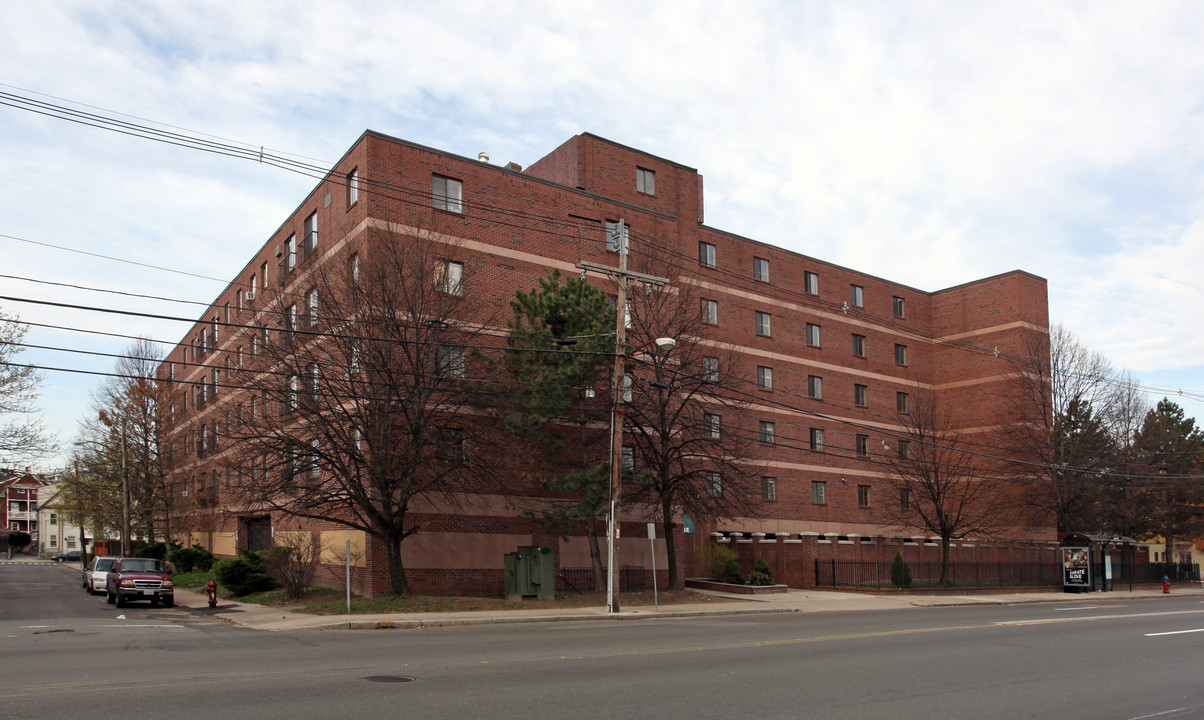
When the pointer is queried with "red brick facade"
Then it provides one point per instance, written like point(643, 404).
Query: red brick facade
point(516, 226)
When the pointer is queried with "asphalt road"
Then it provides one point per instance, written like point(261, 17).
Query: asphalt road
point(70, 656)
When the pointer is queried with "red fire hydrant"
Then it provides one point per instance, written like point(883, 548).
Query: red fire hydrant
point(212, 589)
point(1166, 585)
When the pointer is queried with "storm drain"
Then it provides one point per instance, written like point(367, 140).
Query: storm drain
point(389, 678)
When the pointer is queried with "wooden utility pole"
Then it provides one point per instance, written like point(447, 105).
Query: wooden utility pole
point(621, 275)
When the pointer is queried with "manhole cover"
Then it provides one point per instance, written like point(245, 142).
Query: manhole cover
point(389, 678)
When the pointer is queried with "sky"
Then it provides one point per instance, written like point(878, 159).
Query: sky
point(929, 143)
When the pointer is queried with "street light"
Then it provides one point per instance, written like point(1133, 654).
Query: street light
point(665, 344)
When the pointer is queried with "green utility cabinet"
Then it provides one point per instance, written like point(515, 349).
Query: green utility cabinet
point(530, 572)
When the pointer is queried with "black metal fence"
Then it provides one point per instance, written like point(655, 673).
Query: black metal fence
point(1154, 572)
point(876, 575)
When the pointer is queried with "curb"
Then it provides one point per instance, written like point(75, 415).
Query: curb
point(460, 622)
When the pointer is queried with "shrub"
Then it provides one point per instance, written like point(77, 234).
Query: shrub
point(293, 566)
point(19, 540)
point(716, 557)
point(762, 574)
point(189, 559)
point(158, 550)
point(900, 572)
point(244, 574)
point(731, 573)
point(762, 566)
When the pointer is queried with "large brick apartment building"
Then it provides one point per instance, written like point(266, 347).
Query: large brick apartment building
point(833, 355)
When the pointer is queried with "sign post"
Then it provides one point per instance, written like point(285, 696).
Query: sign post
point(652, 546)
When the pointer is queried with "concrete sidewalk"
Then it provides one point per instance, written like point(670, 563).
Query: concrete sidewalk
point(260, 617)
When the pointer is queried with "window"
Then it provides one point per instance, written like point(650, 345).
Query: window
point(313, 380)
point(263, 273)
point(710, 426)
point(447, 194)
point(815, 387)
point(449, 277)
point(863, 496)
point(355, 268)
point(215, 377)
point(710, 311)
point(294, 384)
point(645, 181)
point(904, 449)
point(313, 465)
point(616, 232)
point(819, 492)
point(628, 385)
point(353, 187)
point(761, 269)
point(899, 308)
point(311, 233)
point(290, 253)
point(811, 283)
point(710, 369)
point(290, 318)
point(900, 354)
point(452, 444)
point(858, 345)
point(714, 484)
point(863, 445)
point(902, 402)
point(762, 322)
point(449, 361)
point(817, 440)
point(766, 434)
point(905, 499)
point(856, 296)
point(812, 335)
point(311, 300)
point(765, 377)
point(769, 489)
point(860, 395)
point(706, 254)
point(628, 459)
point(254, 346)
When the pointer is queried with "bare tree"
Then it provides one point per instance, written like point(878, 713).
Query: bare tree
point(362, 396)
point(1068, 407)
point(687, 459)
point(943, 487)
point(23, 438)
point(134, 409)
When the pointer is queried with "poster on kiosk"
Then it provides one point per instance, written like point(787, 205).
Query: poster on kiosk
point(1076, 564)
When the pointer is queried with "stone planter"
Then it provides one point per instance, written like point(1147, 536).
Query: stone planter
point(715, 585)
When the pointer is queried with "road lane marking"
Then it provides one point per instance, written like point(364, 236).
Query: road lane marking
point(1047, 621)
point(1174, 632)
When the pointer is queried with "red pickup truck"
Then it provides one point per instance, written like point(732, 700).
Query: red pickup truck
point(139, 579)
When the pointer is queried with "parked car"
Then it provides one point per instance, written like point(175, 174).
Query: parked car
point(139, 579)
point(96, 573)
point(71, 556)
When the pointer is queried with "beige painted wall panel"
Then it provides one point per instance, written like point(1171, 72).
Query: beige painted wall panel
point(334, 544)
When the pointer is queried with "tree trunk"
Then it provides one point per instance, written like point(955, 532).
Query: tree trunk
point(398, 587)
point(595, 553)
point(945, 559)
point(670, 545)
